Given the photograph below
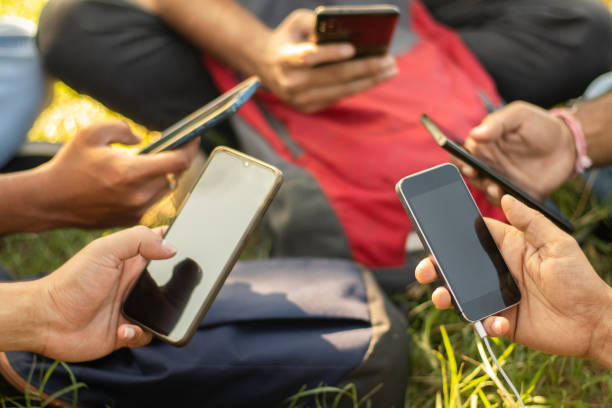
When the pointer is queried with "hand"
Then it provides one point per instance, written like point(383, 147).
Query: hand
point(533, 148)
point(565, 307)
point(89, 184)
point(311, 77)
point(80, 303)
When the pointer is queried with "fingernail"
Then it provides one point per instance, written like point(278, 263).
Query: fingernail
point(346, 50)
point(468, 171)
point(390, 71)
point(169, 247)
point(387, 61)
point(510, 200)
point(482, 128)
point(493, 191)
point(497, 326)
point(129, 333)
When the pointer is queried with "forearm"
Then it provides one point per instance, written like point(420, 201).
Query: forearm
point(595, 116)
point(21, 324)
point(24, 202)
point(221, 28)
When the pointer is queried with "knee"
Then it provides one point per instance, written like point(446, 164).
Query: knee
point(52, 23)
point(596, 23)
point(597, 17)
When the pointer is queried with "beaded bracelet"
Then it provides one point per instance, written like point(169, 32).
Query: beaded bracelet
point(583, 161)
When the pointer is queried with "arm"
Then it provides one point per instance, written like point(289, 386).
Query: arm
point(286, 59)
point(595, 116)
point(20, 319)
point(221, 28)
point(81, 300)
point(561, 291)
point(89, 184)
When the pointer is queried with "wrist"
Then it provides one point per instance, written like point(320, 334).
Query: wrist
point(26, 202)
point(594, 115)
point(253, 57)
point(578, 147)
point(43, 208)
point(22, 317)
point(601, 341)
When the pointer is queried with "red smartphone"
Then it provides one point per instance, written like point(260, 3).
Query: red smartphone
point(369, 28)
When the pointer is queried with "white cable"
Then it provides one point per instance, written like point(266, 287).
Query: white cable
point(482, 333)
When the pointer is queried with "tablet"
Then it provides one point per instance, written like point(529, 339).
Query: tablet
point(204, 118)
point(454, 146)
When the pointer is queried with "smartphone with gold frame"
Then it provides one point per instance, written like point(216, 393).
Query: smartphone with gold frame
point(227, 202)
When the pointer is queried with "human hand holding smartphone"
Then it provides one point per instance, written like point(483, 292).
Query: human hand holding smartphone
point(452, 144)
point(451, 228)
point(561, 291)
point(171, 296)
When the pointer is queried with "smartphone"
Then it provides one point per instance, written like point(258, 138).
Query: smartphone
point(204, 118)
point(452, 229)
point(454, 146)
point(171, 296)
point(369, 28)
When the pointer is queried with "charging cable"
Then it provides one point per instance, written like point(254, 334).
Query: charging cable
point(482, 333)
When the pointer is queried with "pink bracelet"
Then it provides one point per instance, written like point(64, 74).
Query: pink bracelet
point(583, 161)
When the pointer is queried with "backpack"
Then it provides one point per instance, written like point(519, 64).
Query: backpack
point(341, 165)
point(276, 325)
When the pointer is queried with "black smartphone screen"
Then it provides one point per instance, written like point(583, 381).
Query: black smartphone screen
point(209, 232)
point(451, 227)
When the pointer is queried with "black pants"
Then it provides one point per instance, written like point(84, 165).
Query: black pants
point(543, 51)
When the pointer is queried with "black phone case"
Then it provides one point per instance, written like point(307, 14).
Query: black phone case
point(369, 29)
point(458, 151)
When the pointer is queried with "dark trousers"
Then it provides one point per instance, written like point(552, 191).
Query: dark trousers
point(543, 51)
point(540, 51)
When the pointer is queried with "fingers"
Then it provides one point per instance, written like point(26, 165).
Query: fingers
point(538, 229)
point(161, 231)
point(318, 79)
point(497, 124)
point(345, 72)
point(134, 241)
point(160, 164)
point(441, 298)
point(316, 99)
point(129, 335)
point(299, 24)
point(491, 189)
point(425, 271)
point(107, 133)
point(497, 326)
point(308, 54)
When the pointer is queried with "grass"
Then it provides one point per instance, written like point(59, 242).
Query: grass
point(447, 370)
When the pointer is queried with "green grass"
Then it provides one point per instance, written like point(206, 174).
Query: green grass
point(446, 370)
